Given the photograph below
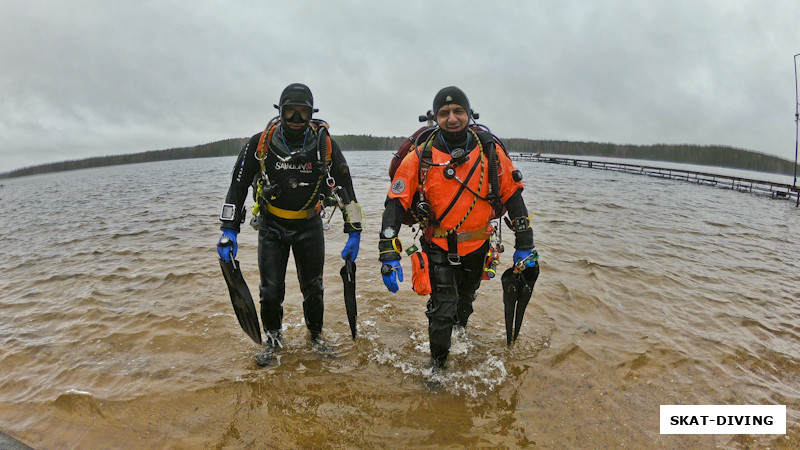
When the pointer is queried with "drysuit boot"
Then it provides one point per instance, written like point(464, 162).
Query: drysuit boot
point(273, 342)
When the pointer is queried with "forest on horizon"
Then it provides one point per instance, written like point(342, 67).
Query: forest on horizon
point(705, 155)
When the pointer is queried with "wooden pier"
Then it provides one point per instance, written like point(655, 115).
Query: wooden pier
point(772, 189)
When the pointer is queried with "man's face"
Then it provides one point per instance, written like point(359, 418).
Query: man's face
point(452, 117)
point(292, 112)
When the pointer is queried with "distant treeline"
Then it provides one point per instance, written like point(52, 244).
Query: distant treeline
point(219, 148)
point(719, 156)
point(712, 155)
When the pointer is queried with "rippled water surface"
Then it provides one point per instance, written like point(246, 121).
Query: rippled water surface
point(116, 330)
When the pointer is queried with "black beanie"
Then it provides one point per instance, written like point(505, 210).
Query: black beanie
point(448, 95)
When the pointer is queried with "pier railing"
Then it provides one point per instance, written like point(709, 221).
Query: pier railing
point(772, 189)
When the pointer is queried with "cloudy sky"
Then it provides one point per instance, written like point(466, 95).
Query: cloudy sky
point(90, 78)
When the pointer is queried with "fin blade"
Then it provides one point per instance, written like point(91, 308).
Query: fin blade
point(241, 300)
point(348, 273)
point(510, 288)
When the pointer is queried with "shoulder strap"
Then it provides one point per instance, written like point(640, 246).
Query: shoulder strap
point(318, 125)
point(320, 128)
point(263, 144)
point(424, 155)
point(266, 136)
point(488, 141)
point(462, 188)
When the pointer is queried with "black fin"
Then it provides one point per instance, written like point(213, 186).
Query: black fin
point(241, 299)
point(348, 273)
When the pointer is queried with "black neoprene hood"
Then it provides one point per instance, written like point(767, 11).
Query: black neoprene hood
point(296, 94)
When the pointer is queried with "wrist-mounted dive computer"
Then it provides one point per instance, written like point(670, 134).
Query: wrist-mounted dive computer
point(228, 212)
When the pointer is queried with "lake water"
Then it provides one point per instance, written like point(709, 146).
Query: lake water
point(116, 329)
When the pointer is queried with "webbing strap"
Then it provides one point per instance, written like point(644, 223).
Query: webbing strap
point(461, 189)
point(294, 215)
point(480, 234)
point(263, 148)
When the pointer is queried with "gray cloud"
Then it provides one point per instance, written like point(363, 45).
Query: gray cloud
point(92, 78)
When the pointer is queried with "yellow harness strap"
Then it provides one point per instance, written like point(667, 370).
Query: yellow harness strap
point(294, 215)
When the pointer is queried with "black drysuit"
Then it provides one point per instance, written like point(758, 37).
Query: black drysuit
point(296, 167)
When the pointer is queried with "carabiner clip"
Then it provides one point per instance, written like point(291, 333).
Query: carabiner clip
point(522, 264)
point(338, 199)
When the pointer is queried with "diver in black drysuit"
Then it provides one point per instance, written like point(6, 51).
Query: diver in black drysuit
point(296, 180)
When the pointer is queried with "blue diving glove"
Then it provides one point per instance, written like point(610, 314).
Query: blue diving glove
point(529, 256)
point(227, 246)
point(388, 271)
point(351, 247)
